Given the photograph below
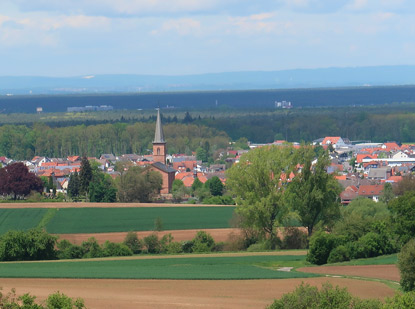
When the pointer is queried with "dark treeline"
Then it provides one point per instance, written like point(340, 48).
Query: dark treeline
point(23, 142)
point(248, 99)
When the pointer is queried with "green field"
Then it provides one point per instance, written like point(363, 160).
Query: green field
point(379, 260)
point(20, 218)
point(242, 267)
point(105, 220)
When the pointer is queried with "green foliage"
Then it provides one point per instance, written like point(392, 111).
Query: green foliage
point(219, 200)
point(67, 250)
point(91, 248)
point(85, 176)
point(320, 246)
point(34, 244)
point(61, 301)
point(178, 190)
point(115, 249)
point(313, 193)
point(406, 264)
point(387, 193)
point(339, 254)
point(399, 301)
point(370, 245)
point(203, 242)
point(405, 185)
point(74, 186)
point(197, 184)
point(101, 188)
point(307, 296)
point(152, 243)
point(403, 216)
point(138, 185)
point(255, 181)
point(215, 186)
point(131, 241)
point(26, 301)
point(201, 154)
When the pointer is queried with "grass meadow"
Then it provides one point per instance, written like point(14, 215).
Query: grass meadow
point(181, 268)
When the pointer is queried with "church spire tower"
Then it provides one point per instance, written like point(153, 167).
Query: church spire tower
point(159, 144)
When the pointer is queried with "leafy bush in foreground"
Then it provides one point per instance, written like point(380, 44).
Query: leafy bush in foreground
point(306, 296)
point(26, 301)
point(321, 245)
point(406, 264)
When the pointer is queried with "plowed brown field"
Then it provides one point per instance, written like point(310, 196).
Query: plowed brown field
point(183, 293)
point(179, 235)
point(387, 272)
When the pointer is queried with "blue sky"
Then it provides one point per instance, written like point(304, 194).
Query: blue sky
point(175, 37)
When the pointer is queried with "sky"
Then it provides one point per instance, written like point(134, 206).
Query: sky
point(178, 37)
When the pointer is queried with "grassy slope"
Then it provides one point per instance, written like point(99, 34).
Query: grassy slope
point(169, 268)
point(379, 260)
point(20, 218)
point(102, 220)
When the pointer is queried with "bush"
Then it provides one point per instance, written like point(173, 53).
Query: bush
point(339, 254)
point(406, 264)
point(294, 238)
point(187, 246)
point(174, 247)
point(203, 242)
point(91, 248)
point(371, 245)
point(306, 296)
point(131, 241)
point(165, 241)
point(152, 243)
point(321, 245)
point(67, 250)
point(399, 301)
point(115, 249)
point(32, 245)
point(61, 301)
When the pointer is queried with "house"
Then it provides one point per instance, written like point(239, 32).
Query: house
point(400, 155)
point(381, 173)
point(371, 191)
point(348, 195)
point(391, 146)
point(335, 141)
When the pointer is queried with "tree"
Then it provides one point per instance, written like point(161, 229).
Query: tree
point(406, 264)
point(259, 188)
point(178, 190)
point(403, 216)
point(406, 184)
point(314, 194)
point(387, 193)
point(16, 180)
point(74, 186)
point(215, 186)
point(138, 185)
point(101, 188)
point(85, 176)
point(201, 154)
point(197, 184)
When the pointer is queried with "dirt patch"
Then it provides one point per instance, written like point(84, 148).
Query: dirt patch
point(100, 205)
point(179, 235)
point(183, 293)
point(387, 272)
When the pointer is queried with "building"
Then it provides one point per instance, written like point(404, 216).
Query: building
point(159, 158)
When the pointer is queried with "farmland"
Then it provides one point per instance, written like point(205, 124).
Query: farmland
point(101, 220)
point(20, 218)
point(183, 268)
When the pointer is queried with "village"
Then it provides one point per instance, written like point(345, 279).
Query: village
point(362, 169)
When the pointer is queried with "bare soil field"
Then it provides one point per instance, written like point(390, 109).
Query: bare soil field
point(183, 293)
point(179, 235)
point(101, 205)
point(387, 272)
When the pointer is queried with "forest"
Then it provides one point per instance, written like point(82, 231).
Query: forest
point(23, 136)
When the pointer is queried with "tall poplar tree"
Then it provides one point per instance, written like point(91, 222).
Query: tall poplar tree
point(85, 176)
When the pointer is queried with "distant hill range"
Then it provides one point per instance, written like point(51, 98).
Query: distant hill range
point(286, 79)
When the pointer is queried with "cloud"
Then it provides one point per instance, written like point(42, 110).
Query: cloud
point(183, 26)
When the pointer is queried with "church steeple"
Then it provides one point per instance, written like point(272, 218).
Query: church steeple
point(159, 144)
point(159, 135)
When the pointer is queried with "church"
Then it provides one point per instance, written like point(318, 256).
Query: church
point(159, 158)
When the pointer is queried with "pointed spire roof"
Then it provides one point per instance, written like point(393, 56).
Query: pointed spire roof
point(159, 135)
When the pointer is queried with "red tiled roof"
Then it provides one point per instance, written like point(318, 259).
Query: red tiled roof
point(330, 140)
point(370, 190)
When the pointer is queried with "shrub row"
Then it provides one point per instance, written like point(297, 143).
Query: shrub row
point(306, 296)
